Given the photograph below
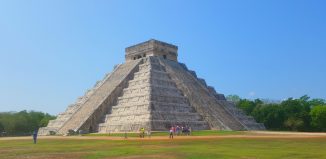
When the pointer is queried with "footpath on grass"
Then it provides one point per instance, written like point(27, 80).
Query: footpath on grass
point(245, 134)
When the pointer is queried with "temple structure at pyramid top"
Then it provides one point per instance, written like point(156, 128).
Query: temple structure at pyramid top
point(152, 48)
point(151, 90)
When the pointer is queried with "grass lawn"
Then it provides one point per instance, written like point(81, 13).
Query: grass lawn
point(245, 148)
point(194, 133)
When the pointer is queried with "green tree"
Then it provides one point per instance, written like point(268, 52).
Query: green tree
point(246, 105)
point(271, 115)
point(294, 124)
point(318, 115)
point(233, 98)
point(2, 129)
point(23, 122)
point(297, 111)
point(44, 122)
point(317, 102)
point(301, 114)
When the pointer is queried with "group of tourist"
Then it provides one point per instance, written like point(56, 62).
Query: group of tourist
point(179, 130)
point(174, 130)
point(142, 132)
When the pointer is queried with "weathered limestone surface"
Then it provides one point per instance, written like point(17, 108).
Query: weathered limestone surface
point(151, 90)
point(87, 114)
point(248, 121)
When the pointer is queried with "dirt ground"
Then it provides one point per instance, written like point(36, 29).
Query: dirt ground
point(249, 134)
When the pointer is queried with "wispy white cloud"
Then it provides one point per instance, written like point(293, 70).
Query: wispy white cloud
point(252, 94)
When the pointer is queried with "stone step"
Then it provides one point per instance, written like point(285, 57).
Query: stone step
point(153, 97)
point(135, 98)
point(153, 74)
point(95, 102)
point(151, 112)
point(147, 65)
point(200, 98)
point(146, 88)
point(154, 92)
point(126, 127)
point(153, 104)
point(150, 71)
point(151, 67)
point(126, 118)
point(246, 120)
point(159, 125)
point(153, 80)
point(149, 85)
point(146, 115)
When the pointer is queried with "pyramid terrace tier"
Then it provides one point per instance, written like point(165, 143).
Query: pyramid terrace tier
point(164, 125)
point(248, 121)
point(152, 80)
point(151, 73)
point(161, 106)
point(143, 108)
point(146, 84)
point(153, 115)
point(123, 127)
point(151, 66)
point(63, 117)
point(153, 97)
point(153, 125)
point(136, 117)
point(155, 89)
point(162, 91)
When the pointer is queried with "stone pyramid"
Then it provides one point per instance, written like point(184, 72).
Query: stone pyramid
point(151, 90)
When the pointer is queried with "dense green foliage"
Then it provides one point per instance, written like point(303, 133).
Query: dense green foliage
point(22, 123)
point(303, 114)
point(318, 117)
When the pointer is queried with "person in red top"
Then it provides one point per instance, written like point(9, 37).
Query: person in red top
point(171, 132)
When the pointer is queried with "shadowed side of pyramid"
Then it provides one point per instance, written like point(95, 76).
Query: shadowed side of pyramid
point(212, 106)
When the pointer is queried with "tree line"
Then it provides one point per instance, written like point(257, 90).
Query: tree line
point(303, 114)
point(23, 122)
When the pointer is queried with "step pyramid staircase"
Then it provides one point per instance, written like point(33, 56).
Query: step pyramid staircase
point(151, 101)
point(151, 90)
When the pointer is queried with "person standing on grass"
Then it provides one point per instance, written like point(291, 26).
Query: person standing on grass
point(149, 133)
point(178, 130)
point(142, 132)
point(126, 136)
point(171, 132)
point(35, 136)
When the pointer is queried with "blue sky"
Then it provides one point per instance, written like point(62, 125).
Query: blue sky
point(52, 51)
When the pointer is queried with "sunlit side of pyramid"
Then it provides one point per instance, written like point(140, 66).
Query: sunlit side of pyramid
point(151, 90)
